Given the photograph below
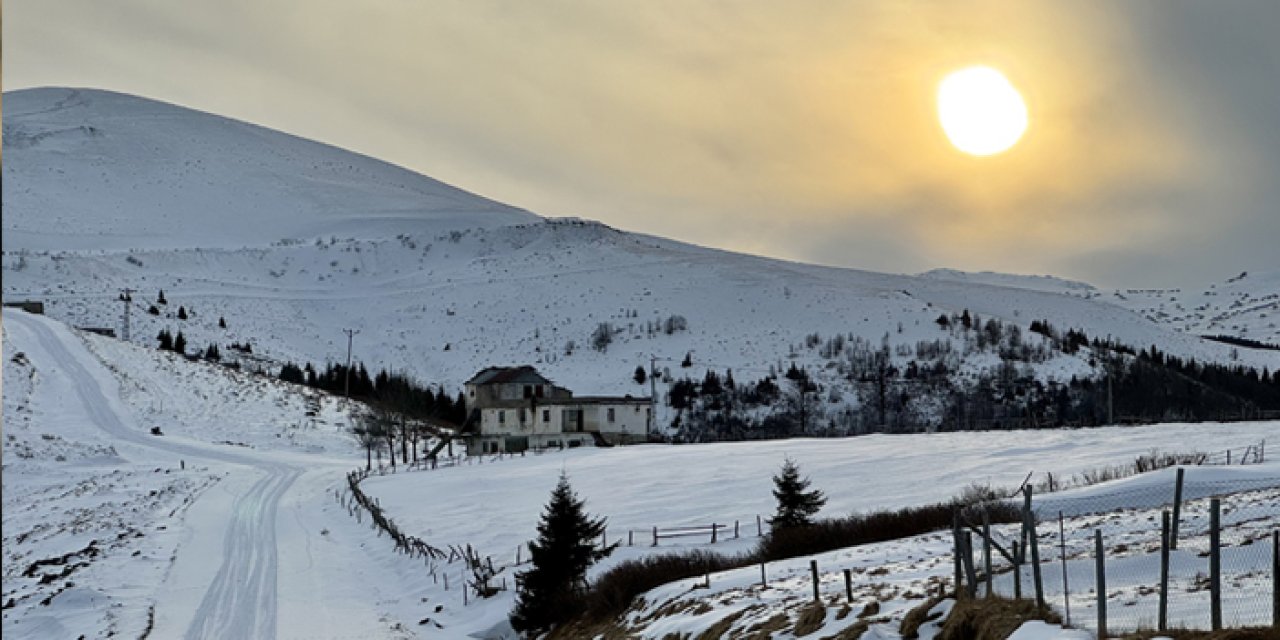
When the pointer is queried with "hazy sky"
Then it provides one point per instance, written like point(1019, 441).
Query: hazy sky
point(802, 130)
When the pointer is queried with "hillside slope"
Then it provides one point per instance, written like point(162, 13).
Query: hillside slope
point(87, 169)
point(291, 242)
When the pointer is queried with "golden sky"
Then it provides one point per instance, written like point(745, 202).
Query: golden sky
point(802, 130)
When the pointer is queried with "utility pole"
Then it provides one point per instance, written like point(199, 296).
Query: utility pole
point(653, 395)
point(126, 296)
point(346, 383)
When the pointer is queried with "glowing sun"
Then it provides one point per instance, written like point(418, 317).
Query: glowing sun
point(981, 112)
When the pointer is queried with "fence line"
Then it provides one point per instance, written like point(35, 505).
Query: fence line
point(1124, 561)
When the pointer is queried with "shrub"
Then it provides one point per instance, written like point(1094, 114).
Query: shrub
point(615, 589)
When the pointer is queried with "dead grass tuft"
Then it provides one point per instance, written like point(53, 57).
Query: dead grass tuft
point(810, 619)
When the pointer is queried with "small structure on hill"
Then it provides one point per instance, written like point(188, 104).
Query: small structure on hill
point(30, 306)
point(516, 408)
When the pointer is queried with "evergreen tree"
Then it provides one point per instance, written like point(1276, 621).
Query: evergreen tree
point(550, 591)
point(796, 504)
point(688, 360)
point(212, 353)
point(154, 310)
point(639, 375)
point(182, 313)
point(180, 343)
point(166, 340)
point(160, 299)
point(222, 322)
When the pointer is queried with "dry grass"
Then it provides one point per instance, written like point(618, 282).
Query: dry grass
point(717, 630)
point(991, 618)
point(810, 619)
point(910, 627)
point(851, 632)
point(764, 630)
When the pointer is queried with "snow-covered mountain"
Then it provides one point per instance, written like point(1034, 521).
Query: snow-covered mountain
point(291, 242)
point(101, 171)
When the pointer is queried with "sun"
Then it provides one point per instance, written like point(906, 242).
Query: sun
point(980, 111)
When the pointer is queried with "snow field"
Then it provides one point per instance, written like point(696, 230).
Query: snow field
point(495, 505)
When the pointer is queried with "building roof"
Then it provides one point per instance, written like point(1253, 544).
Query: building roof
point(593, 400)
point(502, 375)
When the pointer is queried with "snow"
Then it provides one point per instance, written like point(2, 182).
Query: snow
point(234, 522)
point(196, 537)
point(291, 242)
point(333, 577)
point(95, 170)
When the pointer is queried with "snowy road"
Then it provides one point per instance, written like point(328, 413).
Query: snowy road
point(241, 598)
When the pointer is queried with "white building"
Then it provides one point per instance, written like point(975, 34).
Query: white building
point(516, 408)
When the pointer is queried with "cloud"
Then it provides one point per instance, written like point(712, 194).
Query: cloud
point(792, 130)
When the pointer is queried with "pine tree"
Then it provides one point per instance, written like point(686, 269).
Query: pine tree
point(166, 340)
point(688, 360)
point(639, 375)
point(154, 310)
point(180, 343)
point(222, 322)
point(182, 313)
point(160, 299)
point(796, 504)
point(550, 591)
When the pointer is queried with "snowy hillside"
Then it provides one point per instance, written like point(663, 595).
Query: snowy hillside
point(1038, 283)
point(291, 242)
point(1246, 305)
point(110, 530)
point(93, 170)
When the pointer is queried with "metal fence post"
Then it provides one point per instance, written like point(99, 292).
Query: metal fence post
point(1017, 571)
point(848, 585)
point(1215, 565)
point(970, 573)
point(1033, 539)
point(986, 551)
point(1100, 580)
point(1163, 620)
point(1177, 508)
point(1066, 587)
point(958, 547)
point(813, 568)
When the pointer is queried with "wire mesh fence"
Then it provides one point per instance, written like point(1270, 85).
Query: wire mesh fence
point(1167, 560)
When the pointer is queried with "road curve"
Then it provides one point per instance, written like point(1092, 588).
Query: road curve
point(241, 600)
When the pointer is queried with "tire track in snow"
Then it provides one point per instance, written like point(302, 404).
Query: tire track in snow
point(241, 600)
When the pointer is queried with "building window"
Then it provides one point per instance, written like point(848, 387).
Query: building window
point(502, 417)
point(538, 391)
point(528, 391)
point(522, 416)
point(546, 415)
point(611, 415)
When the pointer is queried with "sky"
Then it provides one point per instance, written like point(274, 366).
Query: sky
point(802, 130)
